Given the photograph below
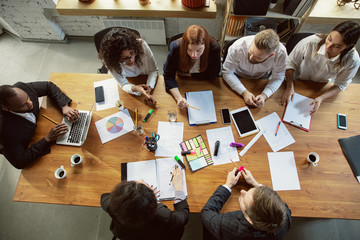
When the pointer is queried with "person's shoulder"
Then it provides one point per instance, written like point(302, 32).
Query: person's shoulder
point(174, 45)
point(311, 40)
point(214, 44)
point(352, 58)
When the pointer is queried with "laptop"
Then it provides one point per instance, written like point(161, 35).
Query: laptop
point(78, 130)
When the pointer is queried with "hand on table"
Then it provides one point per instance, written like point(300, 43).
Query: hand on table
point(56, 132)
point(249, 98)
point(260, 100)
point(182, 103)
point(249, 177)
point(287, 96)
point(70, 113)
point(316, 103)
point(232, 179)
point(177, 179)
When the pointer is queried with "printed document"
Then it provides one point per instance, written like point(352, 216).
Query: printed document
point(297, 112)
point(171, 135)
point(204, 102)
point(111, 94)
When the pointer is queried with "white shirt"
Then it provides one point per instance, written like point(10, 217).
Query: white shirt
point(148, 68)
point(319, 67)
point(237, 62)
point(28, 116)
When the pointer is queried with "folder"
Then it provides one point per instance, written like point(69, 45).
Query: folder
point(204, 101)
point(297, 112)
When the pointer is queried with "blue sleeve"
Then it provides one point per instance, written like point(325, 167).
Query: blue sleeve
point(171, 65)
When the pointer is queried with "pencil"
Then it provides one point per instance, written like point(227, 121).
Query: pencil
point(194, 107)
point(234, 163)
point(49, 119)
point(136, 113)
point(162, 104)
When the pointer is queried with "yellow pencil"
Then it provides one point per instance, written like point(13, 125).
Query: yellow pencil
point(162, 104)
point(136, 113)
point(194, 107)
point(237, 167)
point(49, 119)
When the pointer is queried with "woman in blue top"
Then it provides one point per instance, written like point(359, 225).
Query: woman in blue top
point(196, 54)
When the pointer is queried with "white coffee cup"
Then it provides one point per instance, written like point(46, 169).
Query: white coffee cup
point(313, 158)
point(60, 173)
point(76, 159)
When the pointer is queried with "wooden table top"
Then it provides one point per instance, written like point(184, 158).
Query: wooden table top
point(328, 191)
point(132, 8)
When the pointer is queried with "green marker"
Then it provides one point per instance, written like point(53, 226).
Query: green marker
point(179, 162)
point(148, 115)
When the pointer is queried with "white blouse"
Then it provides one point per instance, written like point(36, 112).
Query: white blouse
point(316, 66)
point(148, 68)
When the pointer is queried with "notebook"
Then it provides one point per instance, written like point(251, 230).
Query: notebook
point(204, 101)
point(78, 130)
point(297, 112)
point(154, 172)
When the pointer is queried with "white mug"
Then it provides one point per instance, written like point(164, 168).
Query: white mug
point(76, 159)
point(60, 173)
point(313, 158)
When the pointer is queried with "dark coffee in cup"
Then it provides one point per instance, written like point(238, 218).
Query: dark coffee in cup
point(312, 158)
point(61, 174)
point(77, 159)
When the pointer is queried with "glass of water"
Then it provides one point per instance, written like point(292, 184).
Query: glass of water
point(172, 115)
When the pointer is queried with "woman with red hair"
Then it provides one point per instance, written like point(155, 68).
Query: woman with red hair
point(196, 54)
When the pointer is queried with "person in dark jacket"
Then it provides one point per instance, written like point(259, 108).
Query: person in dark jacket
point(262, 214)
point(196, 54)
point(136, 214)
point(19, 113)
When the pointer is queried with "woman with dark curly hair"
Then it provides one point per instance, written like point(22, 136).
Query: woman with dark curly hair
point(126, 55)
point(196, 54)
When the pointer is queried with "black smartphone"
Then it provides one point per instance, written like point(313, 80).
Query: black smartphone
point(342, 121)
point(99, 94)
point(225, 113)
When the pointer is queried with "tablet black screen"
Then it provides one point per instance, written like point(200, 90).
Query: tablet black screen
point(244, 121)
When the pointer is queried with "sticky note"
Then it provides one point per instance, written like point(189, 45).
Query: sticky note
point(188, 145)
point(184, 146)
point(195, 142)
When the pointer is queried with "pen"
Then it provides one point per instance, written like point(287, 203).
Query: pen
point(188, 152)
point(148, 115)
point(277, 128)
point(179, 162)
point(136, 114)
point(217, 145)
point(172, 175)
point(239, 169)
point(162, 104)
point(49, 119)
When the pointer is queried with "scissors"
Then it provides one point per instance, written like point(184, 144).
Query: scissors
point(155, 136)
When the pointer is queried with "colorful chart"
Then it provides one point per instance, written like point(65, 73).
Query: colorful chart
point(202, 158)
point(114, 125)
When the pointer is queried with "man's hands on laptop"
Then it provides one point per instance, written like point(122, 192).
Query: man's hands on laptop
point(56, 132)
point(70, 113)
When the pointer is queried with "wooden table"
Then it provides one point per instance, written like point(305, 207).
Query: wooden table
point(132, 8)
point(328, 191)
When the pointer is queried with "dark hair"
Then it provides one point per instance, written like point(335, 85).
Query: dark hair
point(350, 31)
point(6, 92)
point(268, 212)
point(132, 204)
point(194, 34)
point(114, 43)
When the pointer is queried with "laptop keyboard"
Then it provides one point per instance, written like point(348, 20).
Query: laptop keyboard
point(77, 129)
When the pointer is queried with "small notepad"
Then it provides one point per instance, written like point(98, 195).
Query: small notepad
point(297, 112)
point(204, 101)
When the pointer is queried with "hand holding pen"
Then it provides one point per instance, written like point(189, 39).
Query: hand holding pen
point(177, 178)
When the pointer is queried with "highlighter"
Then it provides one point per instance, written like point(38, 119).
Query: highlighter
point(179, 162)
point(217, 145)
point(187, 152)
point(239, 170)
point(148, 115)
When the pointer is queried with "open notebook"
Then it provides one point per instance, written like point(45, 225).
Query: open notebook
point(154, 172)
point(204, 101)
point(297, 112)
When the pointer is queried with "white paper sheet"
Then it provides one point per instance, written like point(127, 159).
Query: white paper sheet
point(114, 126)
point(164, 168)
point(111, 94)
point(204, 101)
point(143, 170)
point(270, 124)
point(283, 171)
point(171, 135)
point(225, 153)
point(298, 111)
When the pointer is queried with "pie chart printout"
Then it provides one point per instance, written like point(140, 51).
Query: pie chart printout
point(114, 125)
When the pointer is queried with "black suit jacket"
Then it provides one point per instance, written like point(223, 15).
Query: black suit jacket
point(166, 225)
point(16, 131)
point(233, 225)
point(172, 64)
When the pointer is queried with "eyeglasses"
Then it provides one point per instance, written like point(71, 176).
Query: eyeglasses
point(127, 59)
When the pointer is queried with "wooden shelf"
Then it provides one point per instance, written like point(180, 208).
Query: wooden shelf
point(132, 8)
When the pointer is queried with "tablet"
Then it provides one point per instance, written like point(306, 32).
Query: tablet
point(244, 121)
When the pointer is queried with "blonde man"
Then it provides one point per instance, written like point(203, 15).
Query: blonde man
point(253, 57)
